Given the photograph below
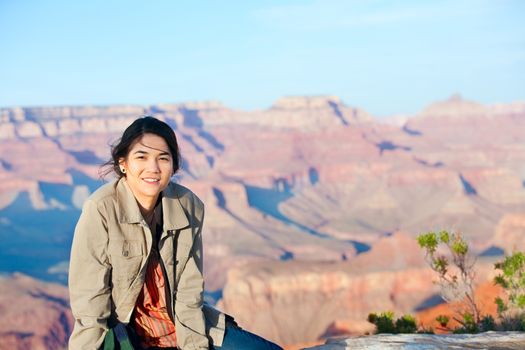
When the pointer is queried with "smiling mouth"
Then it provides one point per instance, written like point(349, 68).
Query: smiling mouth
point(151, 180)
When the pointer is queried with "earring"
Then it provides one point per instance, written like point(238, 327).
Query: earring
point(123, 170)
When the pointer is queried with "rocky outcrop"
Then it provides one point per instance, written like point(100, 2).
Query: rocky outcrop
point(35, 315)
point(237, 233)
point(318, 111)
point(328, 298)
point(460, 122)
point(293, 112)
point(310, 191)
point(488, 340)
point(336, 298)
point(58, 121)
point(454, 107)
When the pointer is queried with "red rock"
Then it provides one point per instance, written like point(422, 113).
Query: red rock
point(485, 295)
point(348, 177)
point(269, 299)
point(35, 315)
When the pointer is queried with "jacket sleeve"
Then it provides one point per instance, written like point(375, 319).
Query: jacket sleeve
point(89, 280)
point(189, 317)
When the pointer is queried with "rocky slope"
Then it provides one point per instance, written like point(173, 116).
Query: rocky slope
point(35, 315)
point(307, 192)
point(336, 298)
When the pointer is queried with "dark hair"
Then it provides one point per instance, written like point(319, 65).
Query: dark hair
point(137, 129)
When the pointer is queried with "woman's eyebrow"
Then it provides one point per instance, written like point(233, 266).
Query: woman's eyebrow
point(162, 153)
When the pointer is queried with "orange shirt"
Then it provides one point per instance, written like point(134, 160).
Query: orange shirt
point(151, 319)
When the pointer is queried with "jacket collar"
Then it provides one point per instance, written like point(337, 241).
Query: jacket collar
point(173, 214)
point(128, 210)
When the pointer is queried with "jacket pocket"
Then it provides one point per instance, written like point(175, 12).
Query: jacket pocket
point(126, 259)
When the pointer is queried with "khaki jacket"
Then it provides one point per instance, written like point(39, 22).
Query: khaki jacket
point(110, 249)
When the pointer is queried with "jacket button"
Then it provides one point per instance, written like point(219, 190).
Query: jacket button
point(125, 253)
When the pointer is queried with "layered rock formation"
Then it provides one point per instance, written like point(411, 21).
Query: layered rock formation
point(35, 315)
point(336, 298)
point(328, 298)
point(271, 299)
point(308, 191)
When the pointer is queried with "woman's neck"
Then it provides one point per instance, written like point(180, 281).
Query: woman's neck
point(147, 206)
point(148, 215)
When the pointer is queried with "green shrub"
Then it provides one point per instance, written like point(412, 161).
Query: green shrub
point(455, 269)
point(487, 323)
point(456, 280)
point(406, 324)
point(470, 324)
point(443, 320)
point(385, 323)
point(511, 308)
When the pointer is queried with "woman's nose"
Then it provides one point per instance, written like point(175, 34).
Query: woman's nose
point(153, 165)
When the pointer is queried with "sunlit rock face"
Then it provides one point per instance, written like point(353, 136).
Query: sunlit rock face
point(309, 184)
point(35, 315)
point(270, 297)
point(336, 298)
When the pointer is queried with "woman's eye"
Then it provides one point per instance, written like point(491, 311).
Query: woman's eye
point(164, 158)
point(140, 157)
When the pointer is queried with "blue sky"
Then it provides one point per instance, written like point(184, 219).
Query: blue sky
point(388, 57)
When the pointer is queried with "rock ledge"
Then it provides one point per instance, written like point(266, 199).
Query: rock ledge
point(488, 340)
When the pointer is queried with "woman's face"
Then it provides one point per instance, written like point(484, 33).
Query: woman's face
point(148, 168)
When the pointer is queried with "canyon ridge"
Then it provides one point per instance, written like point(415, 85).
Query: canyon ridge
point(312, 205)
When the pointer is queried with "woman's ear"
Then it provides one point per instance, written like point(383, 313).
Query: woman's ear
point(122, 165)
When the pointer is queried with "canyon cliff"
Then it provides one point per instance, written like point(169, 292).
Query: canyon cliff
point(312, 205)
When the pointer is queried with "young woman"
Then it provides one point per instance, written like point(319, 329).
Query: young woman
point(136, 259)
